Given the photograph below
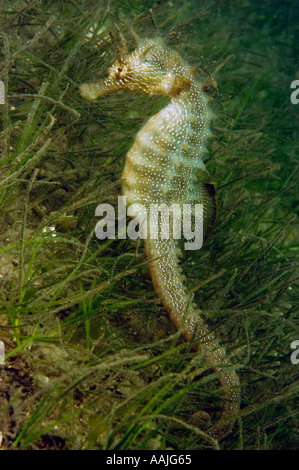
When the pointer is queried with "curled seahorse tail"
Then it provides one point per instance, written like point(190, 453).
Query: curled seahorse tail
point(169, 285)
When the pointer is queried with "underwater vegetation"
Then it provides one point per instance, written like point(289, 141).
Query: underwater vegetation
point(92, 360)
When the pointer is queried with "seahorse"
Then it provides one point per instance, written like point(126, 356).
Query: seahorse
point(165, 165)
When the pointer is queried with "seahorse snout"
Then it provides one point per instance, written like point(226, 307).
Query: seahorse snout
point(92, 91)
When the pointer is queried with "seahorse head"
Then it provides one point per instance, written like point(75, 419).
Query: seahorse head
point(151, 68)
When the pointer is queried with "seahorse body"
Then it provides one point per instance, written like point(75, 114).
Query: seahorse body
point(165, 165)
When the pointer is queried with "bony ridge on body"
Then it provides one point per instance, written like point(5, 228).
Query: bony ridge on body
point(165, 165)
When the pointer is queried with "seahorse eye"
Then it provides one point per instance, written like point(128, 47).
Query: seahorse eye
point(119, 70)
